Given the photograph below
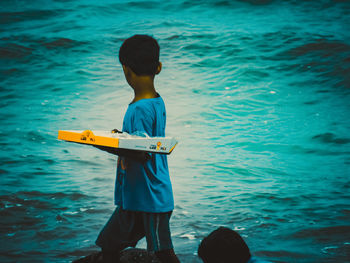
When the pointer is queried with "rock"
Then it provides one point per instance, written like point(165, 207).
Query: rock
point(137, 255)
point(129, 255)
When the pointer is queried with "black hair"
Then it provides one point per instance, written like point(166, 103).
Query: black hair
point(225, 246)
point(141, 54)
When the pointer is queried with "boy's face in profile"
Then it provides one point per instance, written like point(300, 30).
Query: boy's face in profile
point(131, 77)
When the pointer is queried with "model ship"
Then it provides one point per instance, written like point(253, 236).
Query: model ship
point(121, 140)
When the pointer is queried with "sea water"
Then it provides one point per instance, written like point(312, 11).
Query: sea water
point(257, 93)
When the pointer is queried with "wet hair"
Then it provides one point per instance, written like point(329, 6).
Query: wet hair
point(225, 246)
point(141, 54)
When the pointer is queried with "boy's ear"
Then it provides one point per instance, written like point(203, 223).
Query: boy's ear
point(159, 68)
point(127, 71)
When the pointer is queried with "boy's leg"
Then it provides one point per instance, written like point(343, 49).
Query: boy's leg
point(123, 229)
point(158, 237)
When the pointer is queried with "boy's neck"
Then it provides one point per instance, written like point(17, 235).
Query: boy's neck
point(143, 87)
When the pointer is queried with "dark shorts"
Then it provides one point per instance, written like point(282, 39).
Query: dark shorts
point(125, 228)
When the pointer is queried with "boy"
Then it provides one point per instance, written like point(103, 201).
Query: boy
point(143, 191)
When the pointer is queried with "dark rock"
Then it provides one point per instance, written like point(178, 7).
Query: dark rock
point(137, 255)
point(130, 255)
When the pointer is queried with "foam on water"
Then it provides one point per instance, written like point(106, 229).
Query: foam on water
point(257, 93)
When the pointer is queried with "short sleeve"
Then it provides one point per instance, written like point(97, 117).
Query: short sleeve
point(142, 121)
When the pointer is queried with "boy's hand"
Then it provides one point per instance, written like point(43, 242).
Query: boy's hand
point(138, 156)
point(107, 149)
point(116, 131)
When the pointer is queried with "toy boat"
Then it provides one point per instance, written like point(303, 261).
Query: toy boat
point(123, 140)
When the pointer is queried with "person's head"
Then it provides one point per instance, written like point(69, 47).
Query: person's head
point(224, 245)
point(140, 53)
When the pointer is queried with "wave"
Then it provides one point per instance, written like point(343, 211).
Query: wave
point(322, 47)
point(31, 49)
point(37, 199)
point(14, 51)
point(282, 254)
point(74, 196)
point(324, 234)
point(225, 3)
point(328, 59)
point(329, 137)
point(30, 15)
point(60, 43)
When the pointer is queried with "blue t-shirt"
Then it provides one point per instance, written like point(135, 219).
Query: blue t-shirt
point(145, 187)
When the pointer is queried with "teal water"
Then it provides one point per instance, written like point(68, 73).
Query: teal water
point(257, 93)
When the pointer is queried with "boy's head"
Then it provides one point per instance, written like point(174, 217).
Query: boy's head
point(141, 54)
point(223, 245)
